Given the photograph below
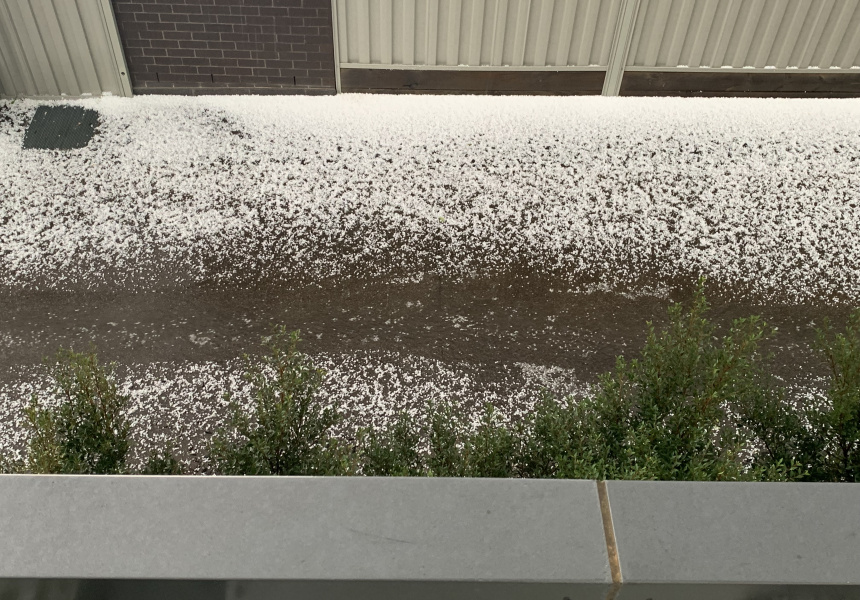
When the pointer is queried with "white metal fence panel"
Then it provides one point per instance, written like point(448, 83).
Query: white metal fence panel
point(476, 34)
point(60, 48)
point(757, 34)
point(578, 34)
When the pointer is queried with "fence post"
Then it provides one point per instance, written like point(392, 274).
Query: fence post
point(335, 44)
point(620, 47)
point(112, 31)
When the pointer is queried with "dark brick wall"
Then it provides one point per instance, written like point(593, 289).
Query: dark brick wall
point(228, 46)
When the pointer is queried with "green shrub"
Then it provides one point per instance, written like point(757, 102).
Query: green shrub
point(162, 462)
point(494, 448)
point(88, 432)
point(562, 440)
point(452, 448)
point(667, 414)
point(392, 451)
point(446, 435)
point(288, 432)
point(835, 447)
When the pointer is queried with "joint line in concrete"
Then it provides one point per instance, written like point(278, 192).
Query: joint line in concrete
point(611, 544)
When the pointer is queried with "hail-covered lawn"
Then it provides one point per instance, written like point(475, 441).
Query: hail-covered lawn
point(760, 195)
point(190, 199)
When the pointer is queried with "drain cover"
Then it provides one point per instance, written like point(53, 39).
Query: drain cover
point(61, 128)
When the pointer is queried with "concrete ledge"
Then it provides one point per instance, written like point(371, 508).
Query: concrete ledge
point(737, 540)
point(308, 537)
point(70, 537)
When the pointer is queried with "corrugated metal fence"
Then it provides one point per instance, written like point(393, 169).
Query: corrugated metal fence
point(759, 34)
point(555, 34)
point(610, 35)
point(60, 47)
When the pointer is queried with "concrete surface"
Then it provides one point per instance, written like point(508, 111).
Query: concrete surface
point(738, 540)
point(545, 536)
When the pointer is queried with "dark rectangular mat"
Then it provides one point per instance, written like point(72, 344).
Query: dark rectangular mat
point(61, 128)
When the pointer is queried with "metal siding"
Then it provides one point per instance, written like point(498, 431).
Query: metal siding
point(60, 48)
point(759, 34)
point(476, 33)
point(578, 34)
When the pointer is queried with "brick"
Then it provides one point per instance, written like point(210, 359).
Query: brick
point(282, 64)
point(245, 10)
point(172, 18)
point(287, 38)
point(248, 28)
point(321, 57)
point(221, 45)
point(265, 43)
point(209, 53)
point(187, 8)
point(250, 62)
point(205, 36)
point(160, 26)
point(201, 78)
point(305, 31)
point(171, 77)
point(146, 17)
point(168, 60)
point(239, 71)
point(237, 54)
point(318, 22)
point(293, 73)
point(183, 69)
point(193, 27)
point(303, 12)
point(204, 18)
point(197, 62)
point(219, 28)
point(177, 35)
point(230, 19)
point(194, 44)
point(258, 20)
point(127, 7)
point(162, 7)
point(223, 62)
point(227, 79)
point(129, 26)
point(268, 72)
point(132, 43)
point(165, 44)
point(234, 37)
